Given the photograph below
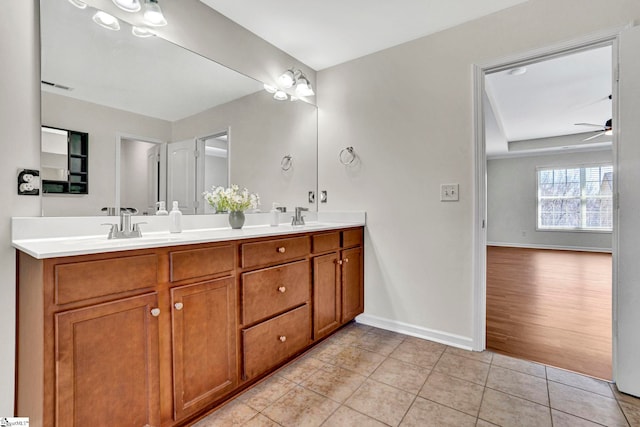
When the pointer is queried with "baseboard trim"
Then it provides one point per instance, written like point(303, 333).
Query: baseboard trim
point(552, 247)
point(453, 340)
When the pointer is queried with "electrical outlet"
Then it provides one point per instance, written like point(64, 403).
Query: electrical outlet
point(449, 193)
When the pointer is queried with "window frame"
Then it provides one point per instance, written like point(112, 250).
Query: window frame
point(582, 198)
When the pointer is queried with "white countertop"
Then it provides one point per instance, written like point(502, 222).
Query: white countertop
point(49, 243)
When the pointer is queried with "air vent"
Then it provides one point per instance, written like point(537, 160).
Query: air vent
point(56, 85)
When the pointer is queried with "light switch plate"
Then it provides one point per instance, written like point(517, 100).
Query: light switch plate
point(449, 192)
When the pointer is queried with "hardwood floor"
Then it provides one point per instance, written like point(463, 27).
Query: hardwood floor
point(552, 307)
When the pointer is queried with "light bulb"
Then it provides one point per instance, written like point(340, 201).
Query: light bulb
point(270, 89)
point(280, 95)
point(287, 79)
point(153, 14)
point(141, 32)
point(303, 87)
point(128, 5)
point(79, 4)
point(106, 21)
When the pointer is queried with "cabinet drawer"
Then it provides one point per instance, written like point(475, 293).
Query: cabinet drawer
point(91, 279)
point(352, 238)
point(274, 251)
point(274, 341)
point(274, 290)
point(326, 242)
point(193, 263)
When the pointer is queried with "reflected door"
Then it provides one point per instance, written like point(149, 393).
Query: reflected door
point(181, 175)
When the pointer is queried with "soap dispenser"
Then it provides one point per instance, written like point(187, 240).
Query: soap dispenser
point(275, 215)
point(162, 210)
point(175, 219)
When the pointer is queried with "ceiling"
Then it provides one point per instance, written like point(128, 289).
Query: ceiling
point(549, 99)
point(329, 32)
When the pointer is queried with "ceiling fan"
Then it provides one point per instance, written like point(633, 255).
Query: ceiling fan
point(604, 130)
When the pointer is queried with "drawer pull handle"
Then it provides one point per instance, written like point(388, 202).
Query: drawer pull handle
point(282, 249)
point(282, 289)
point(178, 305)
point(155, 312)
point(282, 338)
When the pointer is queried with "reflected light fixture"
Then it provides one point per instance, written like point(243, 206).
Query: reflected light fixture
point(280, 95)
point(270, 89)
point(79, 4)
point(128, 5)
point(106, 21)
point(153, 14)
point(518, 71)
point(303, 87)
point(141, 32)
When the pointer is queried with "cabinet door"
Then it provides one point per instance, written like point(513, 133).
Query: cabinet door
point(326, 297)
point(352, 284)
point(107, 364)
point(204, 343)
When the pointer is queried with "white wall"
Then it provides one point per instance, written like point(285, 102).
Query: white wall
point(102, 124)
point(407, 111)
point(20, 143)
point(511, 198)
point(262, 131)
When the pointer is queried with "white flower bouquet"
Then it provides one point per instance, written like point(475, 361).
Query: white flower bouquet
point(231, 199)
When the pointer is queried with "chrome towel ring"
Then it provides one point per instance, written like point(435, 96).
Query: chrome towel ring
point(286, 163)
point(347, 156)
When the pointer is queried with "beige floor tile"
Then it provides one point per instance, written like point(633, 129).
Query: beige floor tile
point(519, 365)
point(579, 381)
point(459, 394)
point(586, 405)
point(505, 410)
point(424, 413)
point(234, 413)
point(463, 368)
point(402, 375)
point(483, 423)
point(301, 407)
point(334, 382)
point(381, 401)
point(623, 397)
point(518, 384)
point(267, 392)
point(325, 351)
point(388, 334)
point(260, 421)
point(378, 343)
point(632, 412)
point(356, 359)
point(301, 369)
point(561, 419)
point(480, 356)
point(419, 352)
point(347, 417)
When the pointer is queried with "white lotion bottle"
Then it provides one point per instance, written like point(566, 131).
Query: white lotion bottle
point(162, 210)
point(275, 215)
point(175, 219)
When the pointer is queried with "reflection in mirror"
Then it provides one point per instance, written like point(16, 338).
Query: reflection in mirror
point(112, 85)
point(53, 163)
point(216, 166)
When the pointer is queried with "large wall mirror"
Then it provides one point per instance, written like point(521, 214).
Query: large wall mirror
point(164, 123)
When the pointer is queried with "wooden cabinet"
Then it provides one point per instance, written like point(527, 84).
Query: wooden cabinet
point(204, 343)
point(107, 364)
point(156, 337)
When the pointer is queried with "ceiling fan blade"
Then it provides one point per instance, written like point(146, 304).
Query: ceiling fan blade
point(593, 137)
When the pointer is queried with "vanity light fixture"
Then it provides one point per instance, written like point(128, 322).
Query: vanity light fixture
point(303, 87)
point(270, 89)
point(280, 95)
point(287, 79)
point(79, 4)
point(128, 5)
point(106, 21)
point(141, 32)
point(290, 78)
point(153, 14)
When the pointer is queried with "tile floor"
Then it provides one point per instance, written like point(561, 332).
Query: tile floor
point(363, 376)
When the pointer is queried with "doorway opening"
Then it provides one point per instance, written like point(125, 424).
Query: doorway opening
point(547, 251)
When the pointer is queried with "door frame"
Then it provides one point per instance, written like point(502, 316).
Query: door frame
point(609, 37)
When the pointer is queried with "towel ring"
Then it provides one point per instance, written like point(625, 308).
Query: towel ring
point(286, 163)
point(347, 156)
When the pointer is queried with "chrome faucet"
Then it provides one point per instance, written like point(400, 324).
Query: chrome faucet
point(298, 219)
point(126, 230)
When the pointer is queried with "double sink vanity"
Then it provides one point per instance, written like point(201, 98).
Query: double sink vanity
point(161, 329)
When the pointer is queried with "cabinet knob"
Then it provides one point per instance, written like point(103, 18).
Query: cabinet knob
point(346, 260)
point(282, 338)
point(339, 262)
point(282, 249)
point(178, 305)
point(282, 289)
point(155, 312)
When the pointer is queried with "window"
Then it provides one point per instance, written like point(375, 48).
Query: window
point(577, 198)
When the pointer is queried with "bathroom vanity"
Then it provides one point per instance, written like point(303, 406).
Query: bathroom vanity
point(162, 334)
